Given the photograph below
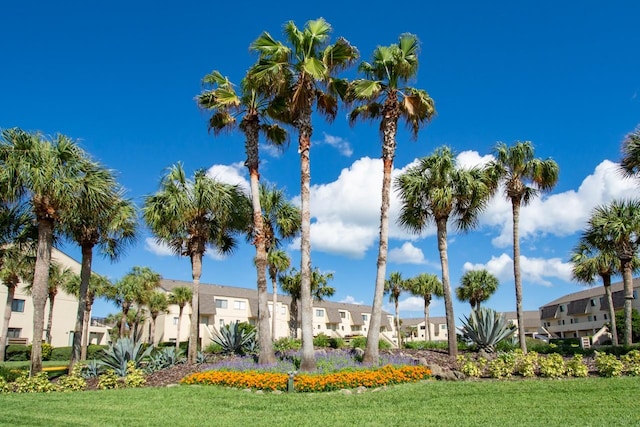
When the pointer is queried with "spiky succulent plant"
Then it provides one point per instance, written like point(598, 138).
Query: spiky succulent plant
point(486, 328)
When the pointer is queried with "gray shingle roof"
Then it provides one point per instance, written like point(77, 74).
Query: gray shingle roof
point(578, 306)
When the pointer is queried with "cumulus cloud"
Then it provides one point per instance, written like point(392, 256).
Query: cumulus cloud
point(351, 300)
point(342, 145)
point(234, 174)
point(470, 159)
point(156, 248)
point(560, 214)
point(407, 254)
point(533, 270)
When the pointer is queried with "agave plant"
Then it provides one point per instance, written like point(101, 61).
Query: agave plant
point(486, 328)
point(123, 351)
point(235, 338)
point(165, 358)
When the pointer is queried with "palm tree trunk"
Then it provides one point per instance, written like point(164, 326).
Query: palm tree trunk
point(274, 312)
point(86, 319)
point(40, 290)
point(124, 319)
point(293, 319)
point(627, 279)
point(515, 207)
point(308, 362)
point(180, 327)
point(79, 329)
point(398, 324)
point(196, 272)
point(52, 299)
point(152, 330)
point(427, 330)
point(606, 281)
point(441, 225)
point(11, 291)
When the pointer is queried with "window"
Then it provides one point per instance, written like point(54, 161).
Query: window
point(635, 294)
point(575, 320)
point(593, 303)
point(594, 318)
point(283, 310)
point(365, 317)
point(239, 305)
point(422, 327)
point(14, 333)
point(221, 303)
point(221, 322)
point(443, 326)
point(605, 316)
point(319, 312)
point(343, 314)
point(563, 321)
point(560, 322)
point(590, 319)
point(175, 320)
point(17, 305)
point(204, 320)
point(561, 308)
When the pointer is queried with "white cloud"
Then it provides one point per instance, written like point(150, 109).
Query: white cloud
point(234, 174)
point(533, 270)
point(559, 214)
point(469, 159)
point(351, 300)
point(214, 254)
point(407, 254)
point(156, 248)
point(342, 145)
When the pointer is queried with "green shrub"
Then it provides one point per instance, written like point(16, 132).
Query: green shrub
point(46, 351)
point(73, 382)
point(38, 383)
point(108, 380)
point(336, 342)
point(321, 340)
point(552, 366)
point(18, 353)
point(10, 374)
point(429, 345)
point(470, 367)
point(94, 351)
point(285, 343)
point(119, 354)
point(61, 353)
point(212, 348)
point(526, 364)
point(135, 377)
point(361, 342)
point(502, 366)
point(631, 362)
point(5, 387)
point(608, 365)
point(576, 367)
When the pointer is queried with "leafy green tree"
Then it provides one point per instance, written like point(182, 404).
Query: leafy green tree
point(394, 287)
point(476, 286)
point(436, 191)
point(620, 318)
point(253, 104)
point(303, 73)
point(132, 288)
point(426, 286)
point(98, 287)
point(524, 176)
point(291, 284)
point(189, 215)
point(616, 227)
point(111, 230)
point(181, 296)
point(49, 173)
point(157, 303)
point(382, 95)
point(630, 163)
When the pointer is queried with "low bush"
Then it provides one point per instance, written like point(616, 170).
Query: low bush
point(576, 367)
point(10, 374)
point(502, 366)
point(321, 340)
point(18, 352)
point(361, 342)
point(336, 343)
point(608, 365)
point(552, 366)
point(74, 381)
point(526, 364)
point(285, 343)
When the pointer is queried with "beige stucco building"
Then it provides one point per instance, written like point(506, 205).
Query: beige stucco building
point(65, 310)
point(222, 305)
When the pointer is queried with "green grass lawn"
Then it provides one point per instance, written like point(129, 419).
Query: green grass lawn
point(566, 402)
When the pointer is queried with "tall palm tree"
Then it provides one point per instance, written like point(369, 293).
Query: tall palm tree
point(190, 215)
point(277, 261)
point(589, 262)
point(99, 286)
point(630, 163)
point(132, 288)
point(157, 303)
point(426, 286)
point(48, 172)
point(382, 95)
point(303, 72)
point(394, 287)
point(437, 191)
point(476, 286)
point(524, 176)
point(616, 227)
point(111, 230)
point(291, 284)
point(180, 296)
point(221, 99)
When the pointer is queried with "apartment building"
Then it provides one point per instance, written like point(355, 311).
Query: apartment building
point(584, 313)
point(65, 310)
point(222, 305)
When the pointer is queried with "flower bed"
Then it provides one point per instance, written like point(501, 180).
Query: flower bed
point(311, 382)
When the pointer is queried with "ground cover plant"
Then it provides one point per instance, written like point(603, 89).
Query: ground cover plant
point(435, 403)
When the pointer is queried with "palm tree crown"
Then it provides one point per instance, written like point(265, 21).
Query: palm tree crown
point(476, 286)
point(426, 286)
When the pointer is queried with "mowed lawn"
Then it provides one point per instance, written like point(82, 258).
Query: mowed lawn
point(537, 402)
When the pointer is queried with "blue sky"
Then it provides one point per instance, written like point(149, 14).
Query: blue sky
point(121, 77)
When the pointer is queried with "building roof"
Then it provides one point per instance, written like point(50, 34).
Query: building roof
point(594, 292)
point(414, 321)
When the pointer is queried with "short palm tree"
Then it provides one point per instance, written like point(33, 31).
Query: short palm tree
point(382, 95)
point(589, 262)
point(49, 173)
point(291, 284)
point(98, 287)
point(616, 227)
point(476, 286)
point(277, 261)
point(524, 176)
point(59, 276)
point(190, 215)
point(222, 100)
point(303, 72)
point(157, 303)
point(180, 296)
point(630, 163)
point(437, 191)
point(394, 287)
point(426, 286)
